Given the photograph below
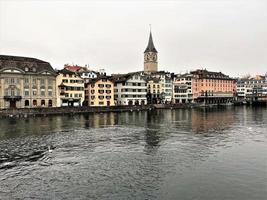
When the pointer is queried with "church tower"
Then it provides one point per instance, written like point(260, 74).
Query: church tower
point(150, 56)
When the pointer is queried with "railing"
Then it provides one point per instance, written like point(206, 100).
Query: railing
point(12, 97)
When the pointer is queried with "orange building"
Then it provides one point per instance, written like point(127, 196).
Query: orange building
point(212, 87)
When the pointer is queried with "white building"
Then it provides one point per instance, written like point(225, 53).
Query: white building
point(182, 89)
point(249, 87)
point(130, 89)
point(88, 75)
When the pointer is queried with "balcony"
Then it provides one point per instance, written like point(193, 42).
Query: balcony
point(16, 98)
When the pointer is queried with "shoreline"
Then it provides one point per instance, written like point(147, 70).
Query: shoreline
point(43, 112)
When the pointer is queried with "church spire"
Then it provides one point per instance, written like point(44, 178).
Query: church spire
point(150, 46)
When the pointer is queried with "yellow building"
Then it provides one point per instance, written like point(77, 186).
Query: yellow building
point(26, 83)
point(154, 90)
point(99, 92)
point(70, 89)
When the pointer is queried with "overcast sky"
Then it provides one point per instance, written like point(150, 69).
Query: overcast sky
point(220, 35)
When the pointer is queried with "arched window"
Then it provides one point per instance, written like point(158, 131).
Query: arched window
point(42, 102)
point(34, 102)
point(50, 103)
point(27, 103)
point(130, 103)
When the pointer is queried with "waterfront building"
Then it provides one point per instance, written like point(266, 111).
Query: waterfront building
point(150, 57)
point(182, 88)
point(99, 92)
point(70, 88)
point(212, 87)
point(154, 94)
point(26, 83)
point(84, 72)
point(164, 79)
point(252, 88)
point(130, 89)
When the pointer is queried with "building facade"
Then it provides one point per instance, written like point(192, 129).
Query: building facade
point(99, 92)
point(26, 83)
point(212, 87)
point(182, 89)
point(84, 72)
point(154, 91)
point(252, 88)
point(70, 89)
point(130, 89)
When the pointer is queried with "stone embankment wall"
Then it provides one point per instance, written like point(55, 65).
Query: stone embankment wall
point(31, 112)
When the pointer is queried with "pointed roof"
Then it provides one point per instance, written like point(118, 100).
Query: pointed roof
point(150, 46)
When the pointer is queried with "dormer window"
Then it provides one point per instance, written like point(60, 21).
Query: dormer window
point(26, 69)
point(34, 69)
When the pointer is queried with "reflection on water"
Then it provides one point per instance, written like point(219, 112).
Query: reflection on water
point(159, 154)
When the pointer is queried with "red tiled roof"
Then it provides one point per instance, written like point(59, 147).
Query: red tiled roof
point(73, 68)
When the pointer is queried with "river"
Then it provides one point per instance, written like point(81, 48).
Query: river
point(187, 154)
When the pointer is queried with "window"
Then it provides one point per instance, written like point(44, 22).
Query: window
point(50, 93)
point(42, 92)
point(27, 103)
point(50, 103)
point(13, 92)
point(34, 102)
point(26, 93)
point(12, 81)
point(42, 81)
point(26, 81)
point(43, 103)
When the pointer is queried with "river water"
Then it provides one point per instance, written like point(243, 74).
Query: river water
point(163, 154)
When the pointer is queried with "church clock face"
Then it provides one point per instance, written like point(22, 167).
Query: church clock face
point(147, 57)
point(150, 57)
point(154, 57)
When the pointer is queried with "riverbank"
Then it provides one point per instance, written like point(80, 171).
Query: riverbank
point(35, 112)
